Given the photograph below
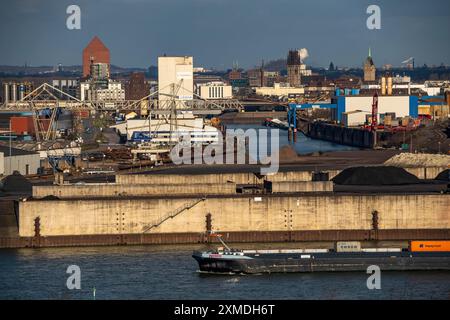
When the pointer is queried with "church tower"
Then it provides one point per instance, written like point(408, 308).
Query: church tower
point(369, 69)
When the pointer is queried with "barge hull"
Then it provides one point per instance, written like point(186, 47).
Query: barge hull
point(385, 263)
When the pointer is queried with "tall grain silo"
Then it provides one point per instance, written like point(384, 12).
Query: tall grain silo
point(389, 85)
point(383, 85)
point(21, 91)
point(14, 92)
point(6, 92)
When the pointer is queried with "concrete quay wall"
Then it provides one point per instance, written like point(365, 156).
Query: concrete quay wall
point(217, 178)
point(301, 186)
point(343, 135)
point(114, 190)
point(234, 214)
point(250, 178)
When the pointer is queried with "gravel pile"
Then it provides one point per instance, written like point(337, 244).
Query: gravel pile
point(375, 176)
point(419, 160)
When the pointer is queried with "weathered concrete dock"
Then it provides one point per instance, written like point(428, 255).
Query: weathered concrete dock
point(174, 208)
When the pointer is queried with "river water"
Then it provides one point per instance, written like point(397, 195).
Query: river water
point(169, 272)
point(302, 145)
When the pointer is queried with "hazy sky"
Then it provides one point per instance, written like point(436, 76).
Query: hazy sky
point(218, 32)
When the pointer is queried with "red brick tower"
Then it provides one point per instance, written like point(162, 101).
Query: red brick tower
point(95, 51)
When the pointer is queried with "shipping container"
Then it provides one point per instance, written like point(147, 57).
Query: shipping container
point(353, 118)
point(394, 123)
point(348, 246)
point(83, 114)
point(22, 125)
point(426, 246)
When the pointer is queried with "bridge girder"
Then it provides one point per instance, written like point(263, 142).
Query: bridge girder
point(39, 99)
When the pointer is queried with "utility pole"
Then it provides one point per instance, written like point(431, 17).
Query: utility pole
point(10, 147)
point(410, 144)
point(149, 125)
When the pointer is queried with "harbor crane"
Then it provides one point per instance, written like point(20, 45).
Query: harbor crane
point(409, 61)
point(47, 98)
point(374, 120)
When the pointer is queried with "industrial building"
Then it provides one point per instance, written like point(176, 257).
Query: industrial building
point(136, 88)
point(69, 86)
point(280, 89)
point(402, 106)
point(95, 52)
point(346, 101)
point(403, 85)
point(12, 159)
point(173, 71)
point(214, 90)
point(435, 107)
point(162, 132)
point(14, 91)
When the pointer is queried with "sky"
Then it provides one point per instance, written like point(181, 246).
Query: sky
point(220, 32)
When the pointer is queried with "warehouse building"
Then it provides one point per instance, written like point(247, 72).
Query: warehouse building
point(402, 105)
point(355, 105)
point(25, 162)
point(279, 90)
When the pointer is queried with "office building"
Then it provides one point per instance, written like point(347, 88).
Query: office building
point(214, 90)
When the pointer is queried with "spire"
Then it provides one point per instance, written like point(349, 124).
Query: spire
point(370, 53)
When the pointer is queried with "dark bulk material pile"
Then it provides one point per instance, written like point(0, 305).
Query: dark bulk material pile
point(444, 175)
point(16, 183)
point(287, 154)
point(375, 176)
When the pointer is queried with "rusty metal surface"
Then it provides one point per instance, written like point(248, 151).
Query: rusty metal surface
point(237, 237)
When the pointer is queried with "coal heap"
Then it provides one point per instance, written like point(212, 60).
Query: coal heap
point(50, 197)
point(444, 175)
point(16, 183)
point(375, 176)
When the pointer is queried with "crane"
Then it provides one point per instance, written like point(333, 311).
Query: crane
point(374, 121)
point(409, 61)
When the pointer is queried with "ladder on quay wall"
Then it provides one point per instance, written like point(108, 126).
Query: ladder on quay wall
point(173, 214)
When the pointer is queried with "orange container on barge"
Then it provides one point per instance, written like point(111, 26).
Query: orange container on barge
point(429, 246)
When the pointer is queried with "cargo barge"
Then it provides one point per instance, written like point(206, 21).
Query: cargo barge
point(425, 255)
